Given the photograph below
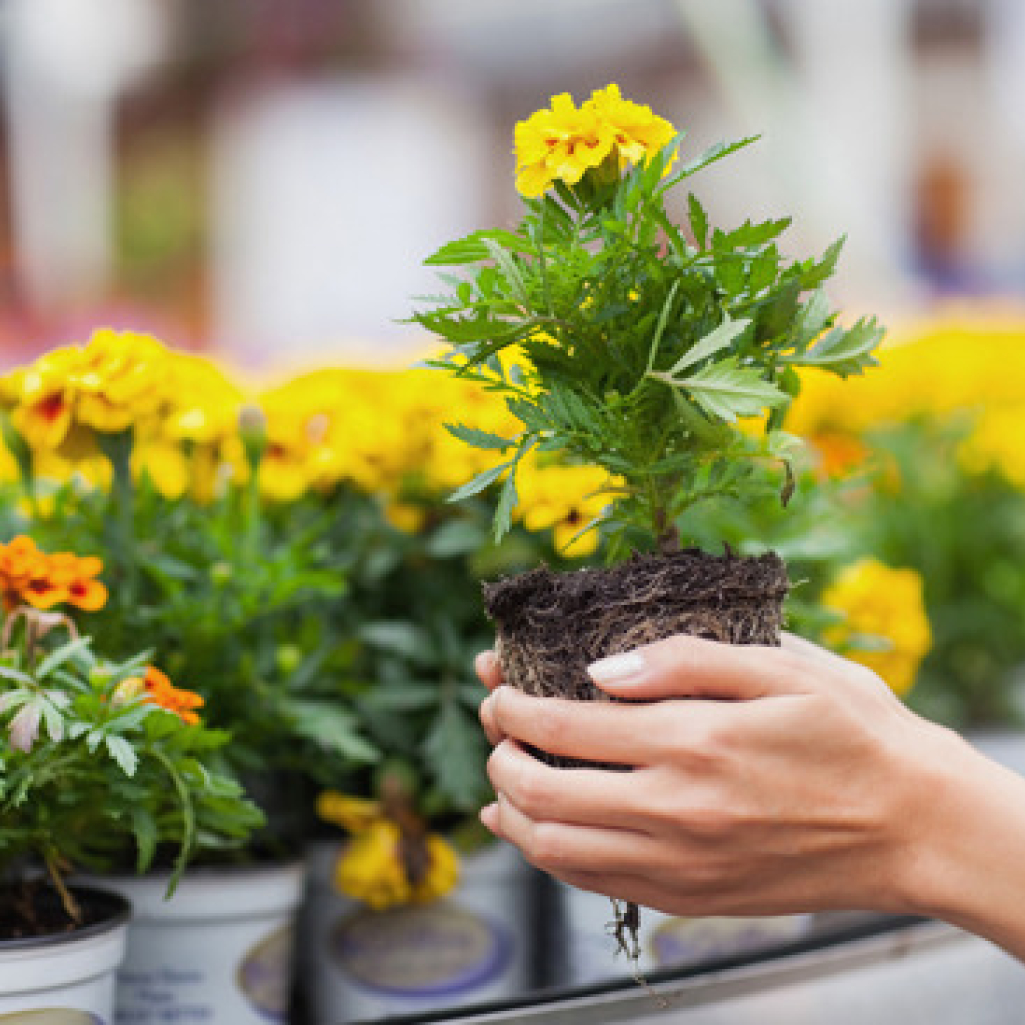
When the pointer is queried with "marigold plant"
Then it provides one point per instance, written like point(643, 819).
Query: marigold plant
point(640, 342)
point(99, 773)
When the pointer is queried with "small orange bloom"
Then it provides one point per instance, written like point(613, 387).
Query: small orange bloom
point(30, 576)
point(77, 575)
point(160, 691)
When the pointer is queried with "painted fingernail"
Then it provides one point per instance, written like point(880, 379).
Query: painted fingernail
point(616, 667)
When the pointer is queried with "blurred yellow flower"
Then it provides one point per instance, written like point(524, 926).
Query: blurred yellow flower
point(564, 499)
point(117, 380)
point(371, 868)
point(563, 142)
point(885, 624)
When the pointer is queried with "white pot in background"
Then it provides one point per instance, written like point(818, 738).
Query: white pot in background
point(66, 979)
point(219, 951)
point(582, 923)
point(471, 946)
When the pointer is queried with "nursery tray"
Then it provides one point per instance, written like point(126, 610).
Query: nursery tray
point(849, 969)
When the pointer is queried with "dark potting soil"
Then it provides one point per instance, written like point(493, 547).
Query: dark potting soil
point(551, 626)
point(32, 909)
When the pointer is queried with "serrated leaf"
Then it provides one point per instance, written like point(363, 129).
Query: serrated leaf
point(477, 438)
point(844, 352)
point(813, 319)
point(727, 390)
point(698, 220)
point(15, 676)
point(479, 483)
point(60, 656)
point(717, 339)
point(508, 267)
point(123, 753)
point(472, 248)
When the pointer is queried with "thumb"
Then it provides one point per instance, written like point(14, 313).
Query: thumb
point(693, 667)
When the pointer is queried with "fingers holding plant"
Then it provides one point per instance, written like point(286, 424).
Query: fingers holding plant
point(803, 796)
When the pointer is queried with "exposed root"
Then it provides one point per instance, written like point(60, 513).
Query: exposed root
point(551, 626)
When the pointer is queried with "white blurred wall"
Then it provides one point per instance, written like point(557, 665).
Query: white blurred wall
point(327, 196)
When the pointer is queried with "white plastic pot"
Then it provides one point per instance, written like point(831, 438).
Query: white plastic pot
point(219, 951)
point(66, 979)
point(582, 922)
point(469, 947)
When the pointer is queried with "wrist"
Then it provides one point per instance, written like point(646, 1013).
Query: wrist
point(964, 852)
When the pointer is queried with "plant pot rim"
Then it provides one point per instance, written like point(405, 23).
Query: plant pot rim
point(116, 909)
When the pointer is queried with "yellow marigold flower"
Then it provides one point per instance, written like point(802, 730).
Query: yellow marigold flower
point(122, 379)
point(370, 868)
point(117, 380)
point(563, 142)
point(353, 814)
point(995, 443)
point(638, 132)
point(885, 606)
point(563, 499)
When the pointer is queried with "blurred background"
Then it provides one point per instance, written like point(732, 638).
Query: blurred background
point(262, 179)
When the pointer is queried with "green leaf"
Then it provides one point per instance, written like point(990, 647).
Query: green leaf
point(60, 656)
point(698, 220)
point(704, 159)
point(727, 390)
point(508, 267)
point(749, 235)
point(813, 318)
point(455, 749)
point(146, 833)
point(815, 273)
point(332, 727)
point(717, 339)
point(456, 537)
point(663, 317)
point(479, 483)
point(844, 352)
point(405, 639)
point(473, 248)
point(479, 439)
point(123, 753)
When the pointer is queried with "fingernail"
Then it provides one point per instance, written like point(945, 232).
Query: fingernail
point(488, 815)
point(616, 667)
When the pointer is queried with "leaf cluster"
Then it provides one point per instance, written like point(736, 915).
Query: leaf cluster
point(237, 604)
point(623, 339)
point(103, 780)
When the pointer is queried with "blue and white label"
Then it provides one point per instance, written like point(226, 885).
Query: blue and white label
point(264, 975)
point(420, 952)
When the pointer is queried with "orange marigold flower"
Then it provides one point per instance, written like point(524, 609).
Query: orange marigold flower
point(30, 576)
point(160, 691)
point(77, 575)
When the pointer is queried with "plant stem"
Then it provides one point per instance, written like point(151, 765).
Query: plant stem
point(121, 506)
point(69, 903)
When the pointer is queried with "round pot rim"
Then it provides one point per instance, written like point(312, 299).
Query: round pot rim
point(119, 912)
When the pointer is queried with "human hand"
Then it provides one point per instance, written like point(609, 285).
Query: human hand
point(765, 781)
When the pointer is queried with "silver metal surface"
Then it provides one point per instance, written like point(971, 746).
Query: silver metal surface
point(927, 974)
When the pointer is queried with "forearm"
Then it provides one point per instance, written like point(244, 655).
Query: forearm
point(969, 865)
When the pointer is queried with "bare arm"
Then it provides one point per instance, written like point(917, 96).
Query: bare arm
point(766, 781)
